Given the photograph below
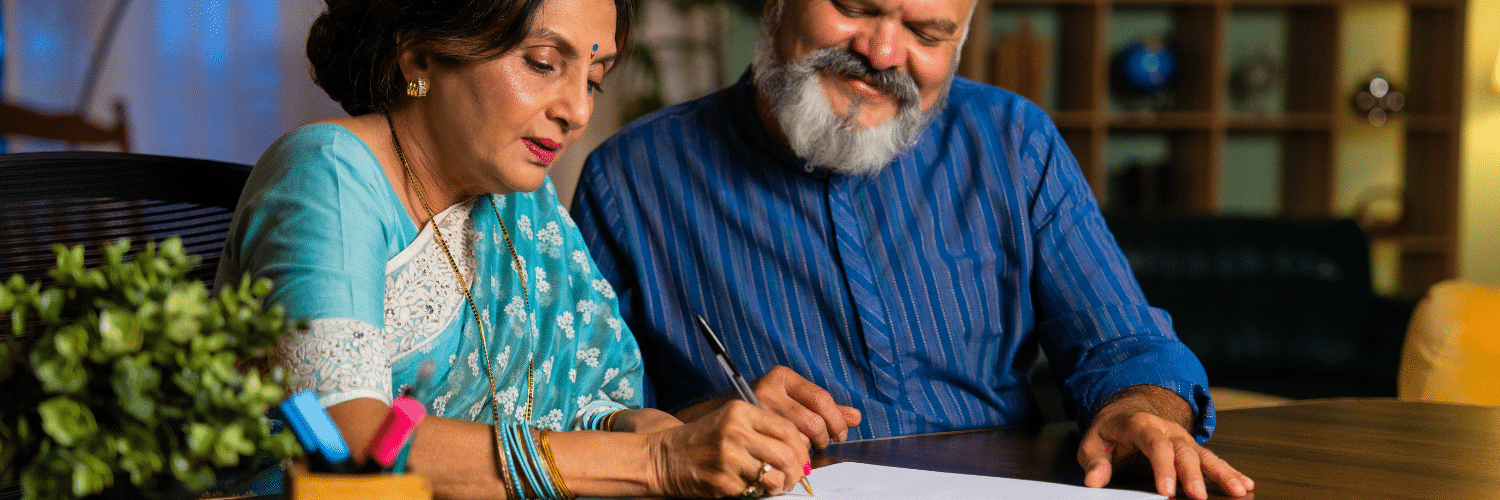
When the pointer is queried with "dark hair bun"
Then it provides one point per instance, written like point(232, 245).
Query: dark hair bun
point(353, 54)
point(355, 45)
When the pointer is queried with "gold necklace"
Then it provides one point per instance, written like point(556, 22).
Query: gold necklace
point(484, 342)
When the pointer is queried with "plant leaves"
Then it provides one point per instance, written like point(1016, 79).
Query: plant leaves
point(134, 377)
point(58, 375)
point(120, 332)
point(65, 420)
point(49, 305)
point(71, 342)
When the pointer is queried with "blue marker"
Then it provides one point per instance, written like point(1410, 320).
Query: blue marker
point(325, 446)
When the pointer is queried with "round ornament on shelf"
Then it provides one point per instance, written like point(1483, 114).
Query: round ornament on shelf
point(1377, 100)
point(1146, 66)
point(1254, 77)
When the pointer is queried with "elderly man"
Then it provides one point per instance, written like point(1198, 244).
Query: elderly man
point(903, 238)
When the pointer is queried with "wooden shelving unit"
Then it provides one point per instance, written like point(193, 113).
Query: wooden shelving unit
point(1198, 125)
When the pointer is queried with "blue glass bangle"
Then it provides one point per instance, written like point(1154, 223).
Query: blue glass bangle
point(543, 485)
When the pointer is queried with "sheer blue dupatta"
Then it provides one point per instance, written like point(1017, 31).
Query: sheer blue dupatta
point(565, 328)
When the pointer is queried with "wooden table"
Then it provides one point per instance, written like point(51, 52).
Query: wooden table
point(1311, 450)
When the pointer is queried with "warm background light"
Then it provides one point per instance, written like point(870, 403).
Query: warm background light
point(1495, 78)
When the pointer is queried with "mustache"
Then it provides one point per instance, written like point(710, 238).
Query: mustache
point(840, 61)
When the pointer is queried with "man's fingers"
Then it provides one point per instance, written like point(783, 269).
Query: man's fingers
point(811, 407)
point(1163, 458)
point(809, 424)
point(1095, 455)
point(1189, 471)
point(852, 417)
point(1221, 473)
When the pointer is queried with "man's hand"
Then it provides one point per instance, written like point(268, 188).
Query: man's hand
point(1153, 422)
point(783, 392)
point(811, 408)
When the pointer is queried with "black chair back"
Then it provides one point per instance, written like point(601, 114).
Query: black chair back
point(92, 198)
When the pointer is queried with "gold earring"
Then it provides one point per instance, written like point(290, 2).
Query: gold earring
point(417, 88)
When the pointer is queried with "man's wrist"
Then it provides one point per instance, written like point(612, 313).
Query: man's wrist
point(1153, 399)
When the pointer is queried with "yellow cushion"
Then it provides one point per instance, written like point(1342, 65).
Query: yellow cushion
point(1452, 350)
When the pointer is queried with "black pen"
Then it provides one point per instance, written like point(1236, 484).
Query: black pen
point(740, 385)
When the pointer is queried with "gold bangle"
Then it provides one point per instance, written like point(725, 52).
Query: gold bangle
point(609, 421)
point(557, 478)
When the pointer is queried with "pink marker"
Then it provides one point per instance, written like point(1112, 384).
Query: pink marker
point(399, 426)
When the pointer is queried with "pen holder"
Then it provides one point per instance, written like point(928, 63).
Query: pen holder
point(302, 484)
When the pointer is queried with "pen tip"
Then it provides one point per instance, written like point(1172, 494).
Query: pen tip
point(808, 486)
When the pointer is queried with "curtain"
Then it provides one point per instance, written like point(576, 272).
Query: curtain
point(216, 79)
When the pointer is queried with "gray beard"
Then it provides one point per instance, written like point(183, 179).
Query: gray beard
point(817, 133)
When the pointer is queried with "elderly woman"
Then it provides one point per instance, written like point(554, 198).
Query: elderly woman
point(422, 230)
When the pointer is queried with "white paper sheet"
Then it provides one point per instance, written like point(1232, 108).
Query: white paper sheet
point(856, 481)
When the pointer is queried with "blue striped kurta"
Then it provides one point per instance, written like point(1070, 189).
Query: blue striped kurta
point(918, 295)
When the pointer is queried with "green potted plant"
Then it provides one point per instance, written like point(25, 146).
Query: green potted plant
point(132, 372)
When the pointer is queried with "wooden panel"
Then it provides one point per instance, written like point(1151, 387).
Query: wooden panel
point(1084, 73)
point(1311, 79)
point(1431, 161)
point(1437, 48)
point(1200, 45)
point(1306, 175)
point(1195, 161)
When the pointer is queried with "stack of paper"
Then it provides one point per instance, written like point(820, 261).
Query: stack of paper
point(856, 481)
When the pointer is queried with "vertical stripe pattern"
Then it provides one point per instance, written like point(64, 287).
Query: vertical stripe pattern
point(919, 295)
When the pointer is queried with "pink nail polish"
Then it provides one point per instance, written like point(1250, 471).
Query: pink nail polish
point(806, 468)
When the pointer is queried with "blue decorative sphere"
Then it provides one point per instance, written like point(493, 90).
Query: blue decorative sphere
point(1147, 67)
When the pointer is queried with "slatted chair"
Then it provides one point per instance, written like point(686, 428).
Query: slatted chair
point(92, 198)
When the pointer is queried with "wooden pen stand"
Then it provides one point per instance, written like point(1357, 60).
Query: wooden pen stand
point(302, 484)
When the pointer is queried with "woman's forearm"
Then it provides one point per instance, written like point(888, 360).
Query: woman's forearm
point(458, 457)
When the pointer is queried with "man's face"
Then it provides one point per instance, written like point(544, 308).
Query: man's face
point(918, 38)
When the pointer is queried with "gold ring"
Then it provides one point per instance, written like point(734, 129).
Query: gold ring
point(764, 468)
point(750, 493)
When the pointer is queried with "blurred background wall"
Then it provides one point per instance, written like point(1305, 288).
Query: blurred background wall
point(222, 79)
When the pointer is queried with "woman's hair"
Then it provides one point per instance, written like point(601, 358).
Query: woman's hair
point(355, 45)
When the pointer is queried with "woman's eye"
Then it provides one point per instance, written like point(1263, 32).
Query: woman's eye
point(539, 66)
point(596, 87)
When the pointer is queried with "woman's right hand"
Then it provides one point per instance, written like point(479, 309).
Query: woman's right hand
point(722, 454)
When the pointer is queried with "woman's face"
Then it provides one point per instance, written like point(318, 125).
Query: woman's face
point(499, 125)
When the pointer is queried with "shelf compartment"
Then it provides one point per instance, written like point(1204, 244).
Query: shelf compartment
point(1192, 30)
point(1062, 35)
point(1152, 171)
point(1251, 179)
